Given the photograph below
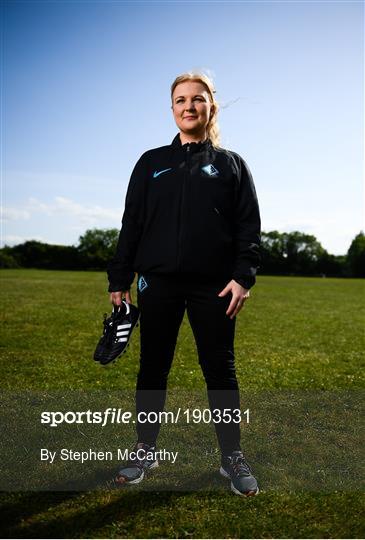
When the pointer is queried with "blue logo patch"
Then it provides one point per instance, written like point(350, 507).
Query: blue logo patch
point(210, 170)
point(157, 173)
point(142, 284)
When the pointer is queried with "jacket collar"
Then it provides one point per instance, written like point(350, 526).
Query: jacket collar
point(194, 146)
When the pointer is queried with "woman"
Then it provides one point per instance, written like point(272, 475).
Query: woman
point(191, 229)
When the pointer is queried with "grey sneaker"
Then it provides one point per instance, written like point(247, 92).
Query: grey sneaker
point(141, 459)
point(236, 468)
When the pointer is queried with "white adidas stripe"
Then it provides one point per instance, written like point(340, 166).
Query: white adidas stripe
point(123, 333)
point(123, 326)
point(123, 339)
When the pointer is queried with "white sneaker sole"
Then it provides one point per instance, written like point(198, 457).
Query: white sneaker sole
point(224, 473)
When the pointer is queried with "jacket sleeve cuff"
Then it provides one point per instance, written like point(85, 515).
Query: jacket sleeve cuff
point(246, 281)
point(116, 287)
point(120, 281)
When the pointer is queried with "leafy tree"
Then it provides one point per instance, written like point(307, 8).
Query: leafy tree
point(272, 252)
point(7, 260)
point(34, 254)
point(291, 253)
point(333, 265)
point(97, 247)
point(302, 252)
point(356, 255)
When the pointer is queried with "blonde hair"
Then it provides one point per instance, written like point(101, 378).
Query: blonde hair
point(212, 127)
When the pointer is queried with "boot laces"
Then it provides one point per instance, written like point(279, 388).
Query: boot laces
point(139, 462)
point(108, 333)
point(110, 328)
point(240, 467)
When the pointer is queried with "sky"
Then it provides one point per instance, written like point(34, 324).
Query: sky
point(85, 90)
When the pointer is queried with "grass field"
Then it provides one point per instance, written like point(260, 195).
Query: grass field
point(294, 334)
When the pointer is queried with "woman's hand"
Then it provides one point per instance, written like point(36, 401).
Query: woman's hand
point(117, 297)
point(239, 297)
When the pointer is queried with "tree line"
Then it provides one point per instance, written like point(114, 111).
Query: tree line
point(293, 253)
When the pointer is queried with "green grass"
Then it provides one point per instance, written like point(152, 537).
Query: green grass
point(294, 335)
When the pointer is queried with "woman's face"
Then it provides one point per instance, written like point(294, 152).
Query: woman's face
point(191, 107)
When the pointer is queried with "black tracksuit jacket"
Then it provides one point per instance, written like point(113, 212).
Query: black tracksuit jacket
point(189, 209)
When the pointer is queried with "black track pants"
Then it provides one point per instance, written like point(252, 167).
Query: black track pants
point(162, 300)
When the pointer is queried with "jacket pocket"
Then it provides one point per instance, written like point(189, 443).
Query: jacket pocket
point(222, 222)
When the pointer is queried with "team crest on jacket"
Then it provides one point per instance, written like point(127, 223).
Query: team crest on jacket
point(210, 170)
point(142, 284)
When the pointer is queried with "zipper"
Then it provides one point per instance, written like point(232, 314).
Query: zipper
point(180, 236)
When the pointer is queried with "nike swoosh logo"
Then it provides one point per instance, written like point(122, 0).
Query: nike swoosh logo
point(156, 174)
